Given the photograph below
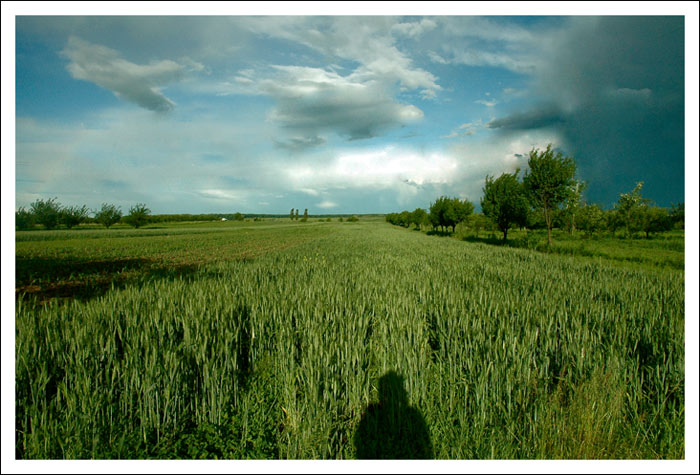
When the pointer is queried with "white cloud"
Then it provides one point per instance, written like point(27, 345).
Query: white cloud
point(129, 81)
point(377, 168)
point(327, 204)
point(486, 103)
point(414, 29)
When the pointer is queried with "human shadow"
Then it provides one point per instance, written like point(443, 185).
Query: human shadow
point(391, 429)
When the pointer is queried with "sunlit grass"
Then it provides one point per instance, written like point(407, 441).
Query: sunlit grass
point(505, 353)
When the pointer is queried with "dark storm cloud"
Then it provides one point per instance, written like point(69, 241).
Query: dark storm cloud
point(535, 119)
point(618, 88)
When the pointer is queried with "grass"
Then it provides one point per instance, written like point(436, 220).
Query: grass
point(297, 350)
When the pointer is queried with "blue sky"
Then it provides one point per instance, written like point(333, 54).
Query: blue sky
point(340, 114)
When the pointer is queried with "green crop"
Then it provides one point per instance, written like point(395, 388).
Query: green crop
point(500, 352)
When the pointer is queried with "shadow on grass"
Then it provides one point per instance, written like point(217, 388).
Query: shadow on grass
point(83, 279)
point(435, 232)
point(391, 429)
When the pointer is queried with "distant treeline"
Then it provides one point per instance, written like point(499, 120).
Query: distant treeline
point(50, 214)
point(548, 196)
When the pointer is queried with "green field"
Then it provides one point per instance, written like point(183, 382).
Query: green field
point(342, 340)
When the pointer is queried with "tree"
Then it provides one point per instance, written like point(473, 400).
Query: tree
point(46, 212)
point(108, 215)
point(591, 219)
point(73, 215)
point(449, 212)
point(419, 217)
point(548, 182)
point(477, 222)
point(296, 216)
point(504, 201)
point(628, 208)
point(24, 219)
point(573, 204)
point(678, 215)
point(653, 219)
point(291, 213)
point(138, 215)
point(306, 215)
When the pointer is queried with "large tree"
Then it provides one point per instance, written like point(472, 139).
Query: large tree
point(548, 182)
point(504, 201)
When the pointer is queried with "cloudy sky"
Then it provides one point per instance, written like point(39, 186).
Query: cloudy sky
point(340, 114)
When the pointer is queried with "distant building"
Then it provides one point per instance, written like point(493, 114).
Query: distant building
point(224, 219)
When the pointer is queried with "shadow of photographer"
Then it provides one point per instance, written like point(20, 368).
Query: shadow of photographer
point(391, 429)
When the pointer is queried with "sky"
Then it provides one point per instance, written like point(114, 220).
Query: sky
point(340, 113)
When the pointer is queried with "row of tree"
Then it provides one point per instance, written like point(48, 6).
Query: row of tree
point(547, 196)
point(51, 214)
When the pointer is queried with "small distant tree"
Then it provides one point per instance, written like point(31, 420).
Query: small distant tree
point(306, 215)
point(108, 215)
point(457, 211)
point(73, 215)
point(238, 216)
point(353, 219)
point(653, 219)
point(628, 208)
point(548, 182)
point(24, 219)
point(138, 215)
point(296, 216)
point(477, 222)
point(291, 213)
point(504, 202)
point(591, 219)
point(46, 213)
point(678, 215)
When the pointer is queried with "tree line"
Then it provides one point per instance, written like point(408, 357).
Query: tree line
point(547, 196)
point(51, 214)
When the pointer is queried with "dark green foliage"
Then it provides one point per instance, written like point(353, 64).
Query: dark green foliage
point(353, 219)
point(73, 215)
point(46, 213)
point(678, 215)
point(419, 217)
point(548, 182)
point(449, 212)
point(504, 202)
point(305, 218)
point(24, 219)
point(138, 215)
point(653, 219)
point(291, 213)
point(238, 217)
point(108, 215)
